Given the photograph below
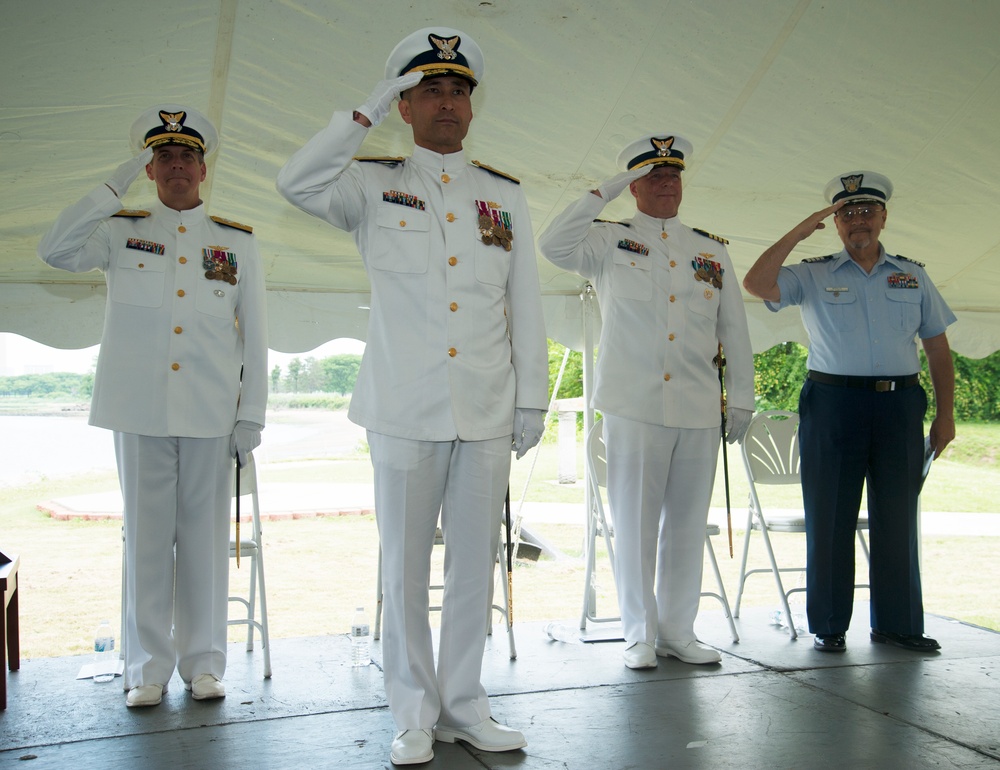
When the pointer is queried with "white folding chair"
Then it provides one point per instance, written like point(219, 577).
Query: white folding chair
point(770, 453)
point(501, 563)
point(252, 549)
point(597, 524)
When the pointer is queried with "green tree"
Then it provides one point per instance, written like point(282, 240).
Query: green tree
point(572, 381)
point(275, 378)
point(294, 370)
point(337, 374)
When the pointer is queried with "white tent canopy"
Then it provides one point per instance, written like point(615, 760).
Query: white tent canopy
point(777, 98)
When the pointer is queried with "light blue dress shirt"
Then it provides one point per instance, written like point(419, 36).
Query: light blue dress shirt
point(864, 324)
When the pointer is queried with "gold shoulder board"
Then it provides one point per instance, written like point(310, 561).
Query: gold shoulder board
point(385, 160)
point(907, 259)
point(133, 213)
point(231, 223)
point(613, 222)
point(492, 170)
point(707, 234)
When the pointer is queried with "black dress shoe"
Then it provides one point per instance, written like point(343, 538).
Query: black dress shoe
point(918, 642)
point(830, 642)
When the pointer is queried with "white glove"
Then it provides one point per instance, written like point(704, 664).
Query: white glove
point(245, 438)
point(529, 424)
point(737, 421)
point(613, 187)
point(376, 109)
point(127, 172)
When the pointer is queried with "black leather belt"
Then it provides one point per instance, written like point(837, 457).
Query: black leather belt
point(879, 384)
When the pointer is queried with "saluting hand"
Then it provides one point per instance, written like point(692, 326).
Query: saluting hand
point(815, 222)
point(614, 187)
point(127, 172)
point(377, 108)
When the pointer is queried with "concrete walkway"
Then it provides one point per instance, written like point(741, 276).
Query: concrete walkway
point(279, 500)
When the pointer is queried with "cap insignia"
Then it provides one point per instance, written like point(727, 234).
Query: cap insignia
point(852, 183)
point(662, 146)
point(172, 120)
point(447, 46)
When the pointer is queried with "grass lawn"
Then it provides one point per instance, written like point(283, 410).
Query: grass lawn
point(320, 569)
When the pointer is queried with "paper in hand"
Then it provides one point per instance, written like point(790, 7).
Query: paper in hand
point(928, 459)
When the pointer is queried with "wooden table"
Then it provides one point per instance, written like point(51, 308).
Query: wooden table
point(10, 648)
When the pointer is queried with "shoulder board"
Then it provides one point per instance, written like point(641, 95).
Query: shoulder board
point(133, 213)
point(613, 222)
point(231, 223)
point(384, 160)
point(707, 234)
point(820, 259)
point(907, 259)
point(492, 170)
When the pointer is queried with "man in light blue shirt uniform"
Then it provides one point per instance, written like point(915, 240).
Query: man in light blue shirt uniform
point(862, 408)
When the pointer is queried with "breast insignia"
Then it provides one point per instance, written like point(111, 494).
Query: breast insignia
point(707, 234)
point(385, 160)
point(820, 259)
point(912, 261)
point(496, 172)
point(230, 223)
point(131, 213)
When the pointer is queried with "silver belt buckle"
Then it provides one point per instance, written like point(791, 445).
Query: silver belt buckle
point(884, 386)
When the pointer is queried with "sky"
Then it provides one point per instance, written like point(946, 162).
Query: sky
point(19, 355)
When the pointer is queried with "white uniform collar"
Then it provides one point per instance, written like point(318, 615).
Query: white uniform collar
point(644, 221)
point(172, 216)
point(436, 162)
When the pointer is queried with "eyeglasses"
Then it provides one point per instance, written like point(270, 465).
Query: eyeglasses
point(859, 212)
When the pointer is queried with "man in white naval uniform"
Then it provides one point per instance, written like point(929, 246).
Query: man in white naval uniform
point(455, 366)
point(185, 316)
point(668, 297)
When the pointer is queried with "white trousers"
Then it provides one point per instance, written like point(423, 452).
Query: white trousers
point(177, 494)
point(659, 490)
point(464, 481)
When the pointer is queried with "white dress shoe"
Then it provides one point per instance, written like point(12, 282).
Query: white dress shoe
point(206, 687)
point(690, 652)
point(412, 747)
point(639, 655)
point(488, 735)
point(144, 695)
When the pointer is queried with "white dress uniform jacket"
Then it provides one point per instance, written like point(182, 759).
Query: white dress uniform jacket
point(172, 349)
point(476, 348)
point(661, 324)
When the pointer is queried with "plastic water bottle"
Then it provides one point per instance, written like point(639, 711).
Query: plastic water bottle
point(360, 639)
point(105, 660)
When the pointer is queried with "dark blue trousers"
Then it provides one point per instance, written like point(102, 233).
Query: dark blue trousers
point(848, 437)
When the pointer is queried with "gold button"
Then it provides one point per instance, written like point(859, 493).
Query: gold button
point(452, 261)
point(182, 229)
point(672, 297)
point(450, 217)
point(402, 223)
point(670, 337)
point(632, 263)
point(666, 378)
point(183, 260)
point(452, 352)
point(141, 265)
point(445, 178)
point(664, 236)
point(177, 330)
point(453, 306)
point(180, 292)
point(175, 367)
point(673, 263)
